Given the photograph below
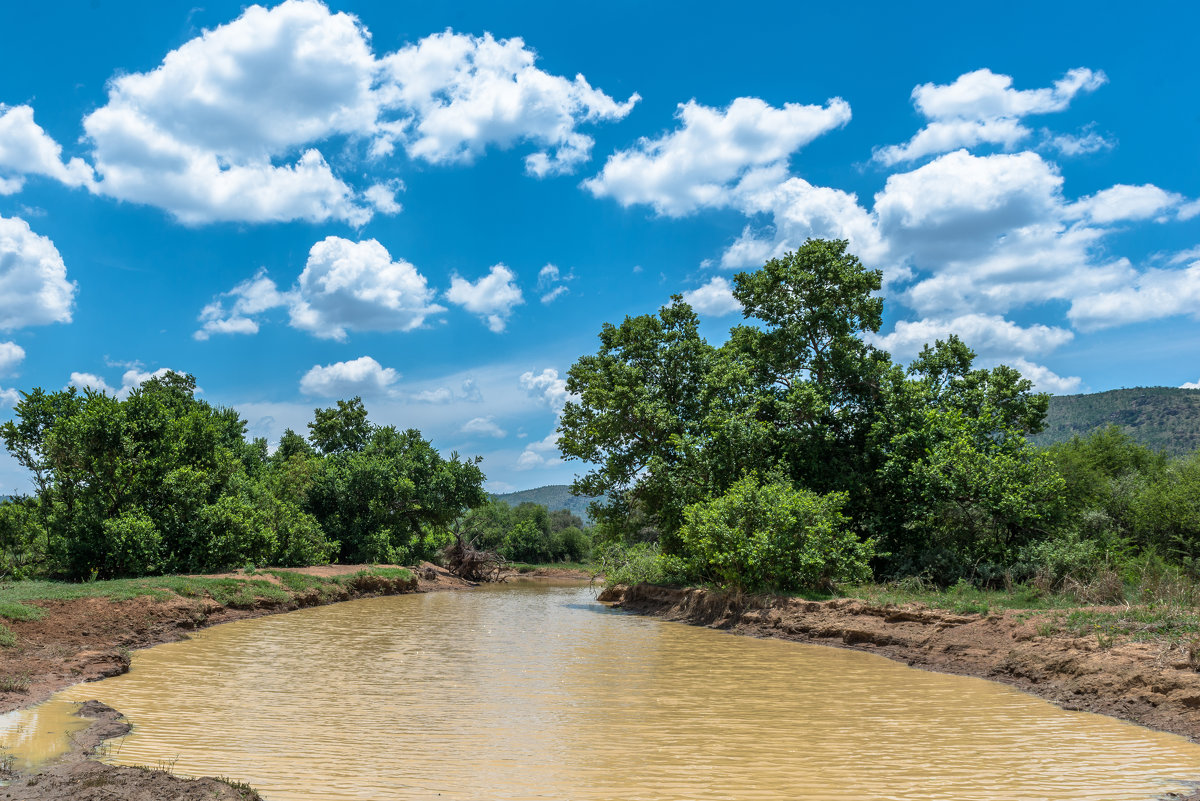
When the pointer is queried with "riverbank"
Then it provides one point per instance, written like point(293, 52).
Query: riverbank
point(1150, 684)
point(57, 635)
point(77, 776)
point(86, 632)
point(65, 641)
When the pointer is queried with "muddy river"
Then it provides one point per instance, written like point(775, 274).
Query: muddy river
point(535, 691)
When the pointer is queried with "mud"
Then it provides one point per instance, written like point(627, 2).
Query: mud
point(1152, 685)
point(88, 639)
point(78, 777)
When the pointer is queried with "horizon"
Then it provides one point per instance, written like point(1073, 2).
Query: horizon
point(438, 208)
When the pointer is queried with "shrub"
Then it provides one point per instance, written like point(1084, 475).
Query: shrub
point(761, 536)
point(640, 563)
point(575, 544)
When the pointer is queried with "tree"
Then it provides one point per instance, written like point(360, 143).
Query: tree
point(768, 535)
point(395, 498)
point(638, 397)
point(340, 429)
point(670, 421)
point(958, 489)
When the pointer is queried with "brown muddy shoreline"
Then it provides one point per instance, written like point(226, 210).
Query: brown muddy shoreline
point(1150, 685)
point(88, 639)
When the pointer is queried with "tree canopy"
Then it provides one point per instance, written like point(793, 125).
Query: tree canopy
point(165, 482)
point(929, 464)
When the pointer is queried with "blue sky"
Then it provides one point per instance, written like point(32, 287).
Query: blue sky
point(436, 206)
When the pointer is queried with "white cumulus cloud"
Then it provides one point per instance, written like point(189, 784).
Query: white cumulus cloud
point(362, 376)
point(11, 355)
point(552, 284)
point(26, 149)
point(987, 335)
point(483, 426)
point(468, 92)
point(235, 124)
point(981, 107)
point(1153, 294)
point(1044, 379)
point(492, 297)
point(34, 289)
point(223, 128)
point(1125, 202)
point(357, 285)
point(344, 286)
point(698, 163)
point(1079, 145)
point(131, 379)
point(547, 387)
point(714, 298)
point(468, 391)
point(251, 297)
point(535, 454)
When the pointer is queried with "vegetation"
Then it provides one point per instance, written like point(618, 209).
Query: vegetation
point(796, 456)
point(163, 482)
point(527, 533)
point(553, 496)
point(15, 595)
point(1162, 418)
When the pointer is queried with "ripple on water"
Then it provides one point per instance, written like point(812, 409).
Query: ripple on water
point(535, 691)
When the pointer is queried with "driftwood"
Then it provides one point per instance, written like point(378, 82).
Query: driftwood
point(466, 561)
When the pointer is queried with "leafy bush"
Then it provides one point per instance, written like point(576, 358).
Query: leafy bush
point(761, 536)
point(640, 563)
point(1065, 555)
point(576, 544)
point(22, 540)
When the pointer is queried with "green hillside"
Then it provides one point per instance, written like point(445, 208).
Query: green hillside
point(553, 496)
point(1164, 418)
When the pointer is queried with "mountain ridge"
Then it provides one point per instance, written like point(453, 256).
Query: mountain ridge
point(552, 496)
point(1163, 418)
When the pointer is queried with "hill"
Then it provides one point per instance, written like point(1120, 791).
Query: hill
point(1164, 418)
point(552, 496)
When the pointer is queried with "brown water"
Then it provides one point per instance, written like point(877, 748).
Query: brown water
point(538, 692)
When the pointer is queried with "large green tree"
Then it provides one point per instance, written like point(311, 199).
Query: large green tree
point(391, 499)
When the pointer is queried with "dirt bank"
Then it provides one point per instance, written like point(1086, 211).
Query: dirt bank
point(1151, 685)
point(85, 639)
point(78, 777)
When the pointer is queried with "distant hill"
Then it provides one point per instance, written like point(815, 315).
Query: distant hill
point(553, 496)
point(1164, 418)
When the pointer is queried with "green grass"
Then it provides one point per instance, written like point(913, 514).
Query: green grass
point(961, 599)
point(1138, 623)
point(239, 593)
point(402, 573)
point(18, 683)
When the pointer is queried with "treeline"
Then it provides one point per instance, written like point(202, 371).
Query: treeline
point(527, 532)
point(797, 455)
point(163, 482)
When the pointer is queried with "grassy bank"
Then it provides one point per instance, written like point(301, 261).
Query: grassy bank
point(267, 587)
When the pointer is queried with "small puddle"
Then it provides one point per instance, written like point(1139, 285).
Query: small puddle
point(535, 691)
point(31, 737)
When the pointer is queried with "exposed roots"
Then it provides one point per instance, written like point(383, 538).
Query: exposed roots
point(466, 561)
